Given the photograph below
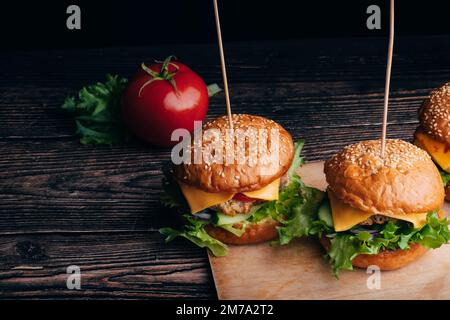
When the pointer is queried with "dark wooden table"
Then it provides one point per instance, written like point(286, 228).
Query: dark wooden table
point(62, 203)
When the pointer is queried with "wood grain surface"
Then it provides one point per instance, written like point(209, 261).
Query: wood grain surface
point(299, 270)
point(62, 203)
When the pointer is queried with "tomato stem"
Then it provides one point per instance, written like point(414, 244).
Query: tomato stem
point(163, 74)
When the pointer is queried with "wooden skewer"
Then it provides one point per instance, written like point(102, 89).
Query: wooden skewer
point(388, 79)
point(222, 62)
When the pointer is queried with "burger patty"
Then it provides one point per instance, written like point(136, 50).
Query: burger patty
point(376, 219)
point(233, 207)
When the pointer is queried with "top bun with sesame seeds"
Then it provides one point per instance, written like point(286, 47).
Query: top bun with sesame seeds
point(405, 181)
point(434, 114)
point(239, 176)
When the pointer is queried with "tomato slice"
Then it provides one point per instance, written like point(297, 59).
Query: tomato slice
point(242, 197)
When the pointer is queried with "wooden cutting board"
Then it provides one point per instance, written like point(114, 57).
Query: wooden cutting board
point(299, 271)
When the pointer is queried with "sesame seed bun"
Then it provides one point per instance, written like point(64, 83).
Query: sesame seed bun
point(434, 115)
point(238, 177)
point(405, 181)
point(385, 260)
point(254, 233)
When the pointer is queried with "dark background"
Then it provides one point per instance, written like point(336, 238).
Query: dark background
point(42, 24)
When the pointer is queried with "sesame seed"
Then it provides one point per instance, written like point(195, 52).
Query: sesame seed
point(399, 154)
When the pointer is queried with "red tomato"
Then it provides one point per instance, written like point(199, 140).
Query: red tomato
point(242, 197)
point(161, 98)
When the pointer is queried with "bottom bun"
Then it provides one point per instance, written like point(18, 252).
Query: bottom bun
point(447, 192)
point(254, 233)
point(385, 260)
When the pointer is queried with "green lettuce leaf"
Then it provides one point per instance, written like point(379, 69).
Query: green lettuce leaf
point(263, 211)
point(270, 209)
point(296, 207)
point(343, 250)
point(236, 231)
point(297, 210)
point(445, 177)
point(213, 89)
point(194, 231)
point(297, 160)
point(172, 196)
point(434, 233)
point(97, 112)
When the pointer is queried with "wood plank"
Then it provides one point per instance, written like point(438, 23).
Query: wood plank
point(113, 265)
point(299, 271)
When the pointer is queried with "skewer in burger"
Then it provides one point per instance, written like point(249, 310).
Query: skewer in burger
point(433, 134)
point(380, 211)
point(242, 202)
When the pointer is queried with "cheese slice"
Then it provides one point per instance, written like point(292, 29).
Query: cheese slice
point(346, 217)
point(199, 200)
point(269, 192)
point(437, 150)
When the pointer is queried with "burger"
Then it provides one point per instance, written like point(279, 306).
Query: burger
point(239, 202)
point(382, 211)
point(433, 134)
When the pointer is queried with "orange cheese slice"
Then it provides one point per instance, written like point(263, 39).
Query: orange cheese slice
point(199, 200)
point(269, 192)
point(345, 217)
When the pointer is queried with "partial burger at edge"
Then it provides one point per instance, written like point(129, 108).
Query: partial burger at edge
point(384, 211)
point(433, 133)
